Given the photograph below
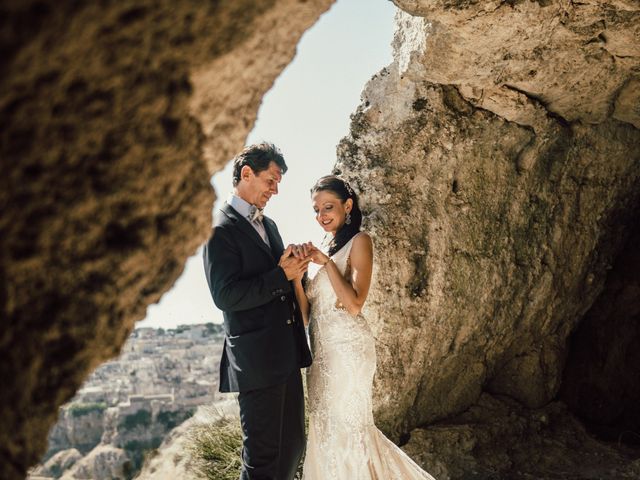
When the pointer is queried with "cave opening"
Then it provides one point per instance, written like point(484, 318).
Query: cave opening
point(105, 192)
point(601, 380)
point(305, 114)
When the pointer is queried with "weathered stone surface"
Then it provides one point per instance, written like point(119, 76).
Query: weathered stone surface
point(79, 429)
point(104, 462)
point(114, 116)
point(173, 458)
point(498, 438)
point(627, 106)
point(575, 58)
point(498, 218)
point(56, 465)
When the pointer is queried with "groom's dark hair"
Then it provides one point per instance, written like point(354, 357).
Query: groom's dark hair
point(257, 157)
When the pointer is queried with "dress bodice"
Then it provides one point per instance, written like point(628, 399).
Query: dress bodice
point(320, 292)
point(326, 318)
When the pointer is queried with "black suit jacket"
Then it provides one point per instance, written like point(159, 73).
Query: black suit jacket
point(264, 334)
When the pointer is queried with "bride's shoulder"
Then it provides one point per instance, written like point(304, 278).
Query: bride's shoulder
point(362, 235)
point(362, 242)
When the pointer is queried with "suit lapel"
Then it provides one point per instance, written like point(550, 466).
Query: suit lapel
point(274, 237)
point(244, 225)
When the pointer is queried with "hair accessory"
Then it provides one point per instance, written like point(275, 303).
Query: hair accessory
point(348, 187)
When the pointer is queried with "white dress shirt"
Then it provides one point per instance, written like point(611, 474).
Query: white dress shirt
point(244, 208)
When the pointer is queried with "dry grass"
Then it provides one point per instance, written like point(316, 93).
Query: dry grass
point(215, 447)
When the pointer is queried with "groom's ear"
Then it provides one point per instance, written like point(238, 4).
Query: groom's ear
point(246, 173)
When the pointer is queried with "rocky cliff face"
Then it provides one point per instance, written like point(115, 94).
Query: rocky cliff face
point(103, 462)
point(499, 160)
point(114, 117)
point(80, 429)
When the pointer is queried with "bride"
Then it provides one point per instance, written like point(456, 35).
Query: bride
point(343, 441)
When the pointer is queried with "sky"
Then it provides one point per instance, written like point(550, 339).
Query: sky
point(305, 114)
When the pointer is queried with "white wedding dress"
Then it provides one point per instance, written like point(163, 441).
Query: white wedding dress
point(343, 442)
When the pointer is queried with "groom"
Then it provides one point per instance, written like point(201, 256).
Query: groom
point(249, 275)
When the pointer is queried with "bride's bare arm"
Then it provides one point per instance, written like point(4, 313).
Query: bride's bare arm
point(352, 292)
point(303, 301)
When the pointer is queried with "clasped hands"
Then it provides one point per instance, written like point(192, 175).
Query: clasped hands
point(296, 258)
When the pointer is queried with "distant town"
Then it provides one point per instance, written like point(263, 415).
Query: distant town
point(175, 365)
point(127, 406)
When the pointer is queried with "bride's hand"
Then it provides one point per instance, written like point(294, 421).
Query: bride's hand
point(316, 255)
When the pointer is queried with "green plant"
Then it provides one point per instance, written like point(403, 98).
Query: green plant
point(140, 418)
point(80, 409)
point(171, 419)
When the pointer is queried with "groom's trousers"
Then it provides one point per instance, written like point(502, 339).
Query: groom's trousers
point(272, 421)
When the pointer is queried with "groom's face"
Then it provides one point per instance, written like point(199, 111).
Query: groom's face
point(261, 186)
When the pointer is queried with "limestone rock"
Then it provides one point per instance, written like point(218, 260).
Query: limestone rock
point(575, 58)
point(104, 462)
point(59, 463)
point(79, 427)
point(495, 232)
point(173, 458)
point(627, 106)
point(114, 116)
point(498, 438)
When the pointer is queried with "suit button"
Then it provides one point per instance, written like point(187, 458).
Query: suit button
point(289, 321)
point(283, 298)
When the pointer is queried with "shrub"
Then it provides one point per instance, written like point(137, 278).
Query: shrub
point(140, 418)
point(137, 451)
point(142, 446)
point(214, 449)
point(171, 419)
point(80, 409)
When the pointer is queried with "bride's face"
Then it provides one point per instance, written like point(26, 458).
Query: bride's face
point(330, 210)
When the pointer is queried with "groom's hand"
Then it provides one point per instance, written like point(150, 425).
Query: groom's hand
point(310, 251)
point(293, 267)
point(298, 251)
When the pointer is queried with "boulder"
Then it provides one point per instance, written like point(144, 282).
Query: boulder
point(60, 463)
point(115, 116)
point(104, 462)
point(496, 213)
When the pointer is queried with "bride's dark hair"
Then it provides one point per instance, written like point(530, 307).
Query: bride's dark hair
point(336, 185)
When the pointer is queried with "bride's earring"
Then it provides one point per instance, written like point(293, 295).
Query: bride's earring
point(347, 219)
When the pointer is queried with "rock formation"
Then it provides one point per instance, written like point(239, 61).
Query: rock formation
point(57, 464)
point(104, 462)
point(486, 442)
point(176, 457)
point(78, 429)
point(114, 116)
point(499, 163)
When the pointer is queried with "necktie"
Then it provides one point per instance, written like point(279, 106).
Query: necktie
point(255, 214)
point(255, 217)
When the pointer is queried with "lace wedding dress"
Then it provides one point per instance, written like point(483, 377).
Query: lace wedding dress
point(343, 442)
